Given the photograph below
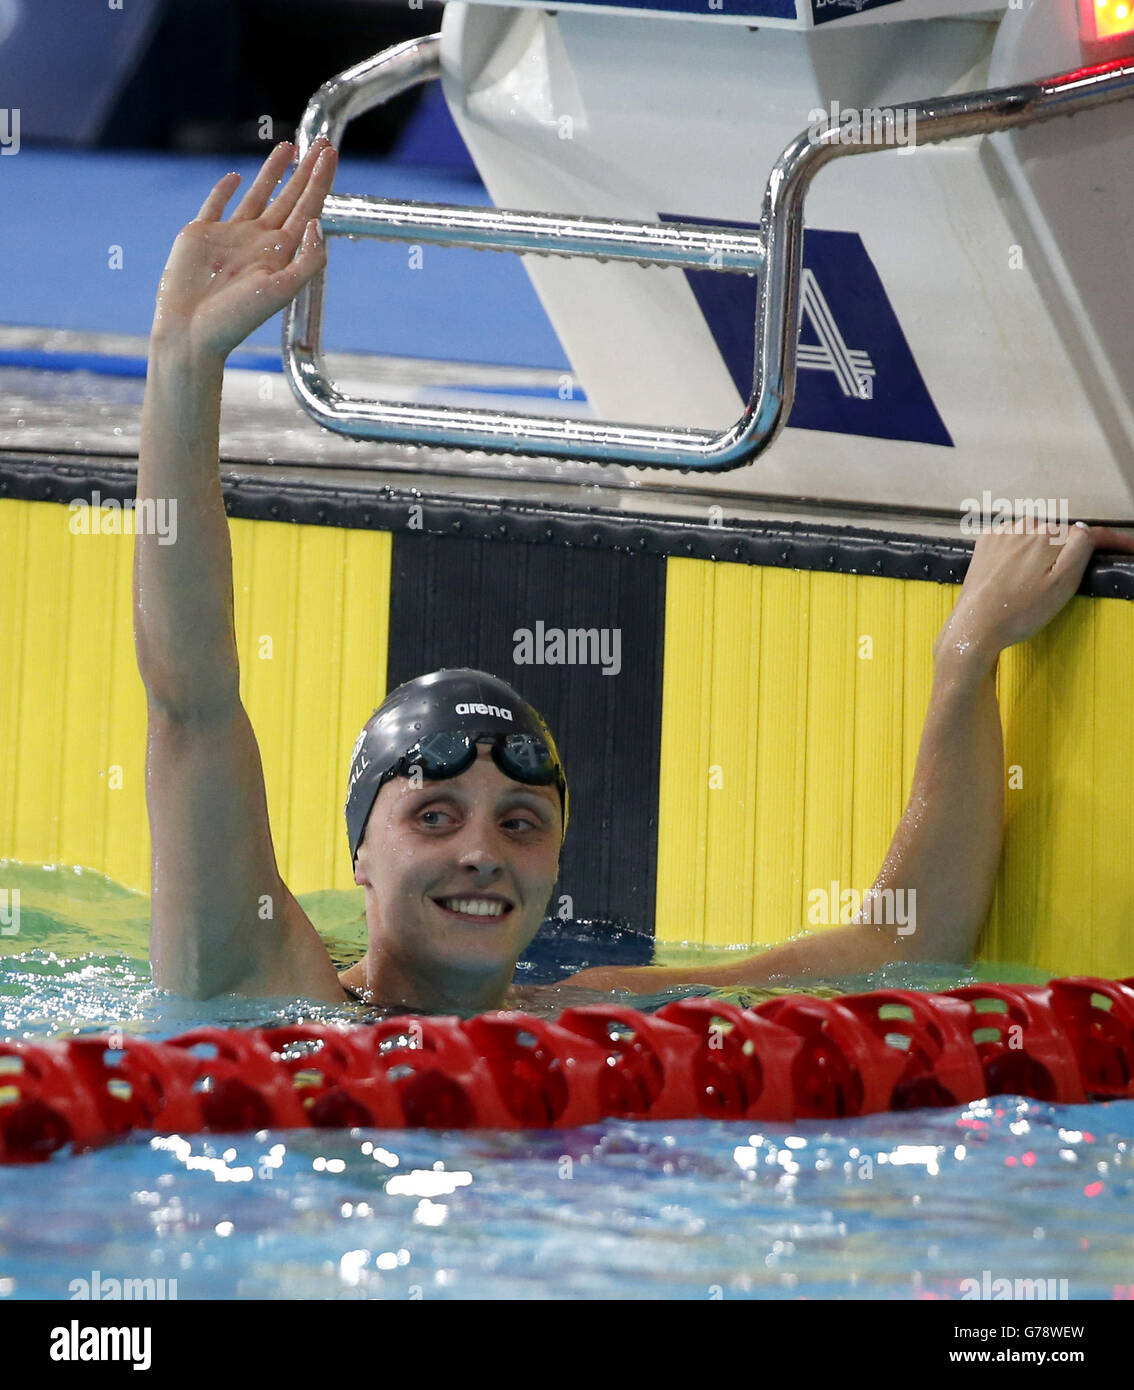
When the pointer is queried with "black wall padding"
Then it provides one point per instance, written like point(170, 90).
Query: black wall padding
point(457, 602)
point(801, 545)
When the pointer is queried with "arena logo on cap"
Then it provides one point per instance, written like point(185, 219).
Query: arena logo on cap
point(497, 710)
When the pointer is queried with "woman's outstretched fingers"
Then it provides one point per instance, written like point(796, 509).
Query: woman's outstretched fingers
point(296, 186)
point(310, 202)
point(225, 278)
point(271, 171)
point(214, 204)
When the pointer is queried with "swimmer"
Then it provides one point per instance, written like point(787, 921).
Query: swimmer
point(457, 800)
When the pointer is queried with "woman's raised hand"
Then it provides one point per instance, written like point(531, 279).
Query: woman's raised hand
point(1017, 582)
point(224, 279)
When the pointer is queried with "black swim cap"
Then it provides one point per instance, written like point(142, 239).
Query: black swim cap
point(463, 700)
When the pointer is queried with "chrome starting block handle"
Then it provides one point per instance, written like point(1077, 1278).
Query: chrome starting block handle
point(774, 252)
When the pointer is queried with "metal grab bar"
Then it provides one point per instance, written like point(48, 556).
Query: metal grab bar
point(775, 250)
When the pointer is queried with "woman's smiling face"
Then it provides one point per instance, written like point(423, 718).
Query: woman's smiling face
point(459, 871)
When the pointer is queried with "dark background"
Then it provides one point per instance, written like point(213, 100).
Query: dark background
point(213, 68)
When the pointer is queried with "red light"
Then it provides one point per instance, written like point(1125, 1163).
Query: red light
point(1106, 19)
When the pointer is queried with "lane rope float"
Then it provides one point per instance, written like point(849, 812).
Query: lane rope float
point(791, 1058)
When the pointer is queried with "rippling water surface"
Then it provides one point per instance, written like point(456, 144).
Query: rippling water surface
point(910, 1206)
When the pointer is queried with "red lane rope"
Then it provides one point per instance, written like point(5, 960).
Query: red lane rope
point(793, 1057)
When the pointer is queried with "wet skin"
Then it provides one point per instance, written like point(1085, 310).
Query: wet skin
point(480, 835)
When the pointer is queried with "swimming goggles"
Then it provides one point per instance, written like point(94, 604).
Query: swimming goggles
point(447, 753)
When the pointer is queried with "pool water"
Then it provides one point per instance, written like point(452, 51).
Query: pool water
point(924, 1204)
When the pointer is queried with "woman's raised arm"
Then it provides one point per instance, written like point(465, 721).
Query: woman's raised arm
point(222, 280)
point(222, 919)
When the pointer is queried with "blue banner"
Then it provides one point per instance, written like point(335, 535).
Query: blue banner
point(826, 10)
point(856, 374)
point(748, 9)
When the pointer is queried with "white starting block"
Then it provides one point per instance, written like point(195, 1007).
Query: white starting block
point(952, 313)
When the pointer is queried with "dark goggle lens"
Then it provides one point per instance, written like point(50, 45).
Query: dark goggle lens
point(439, 754)
point(445, 754)
point(528, 758)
